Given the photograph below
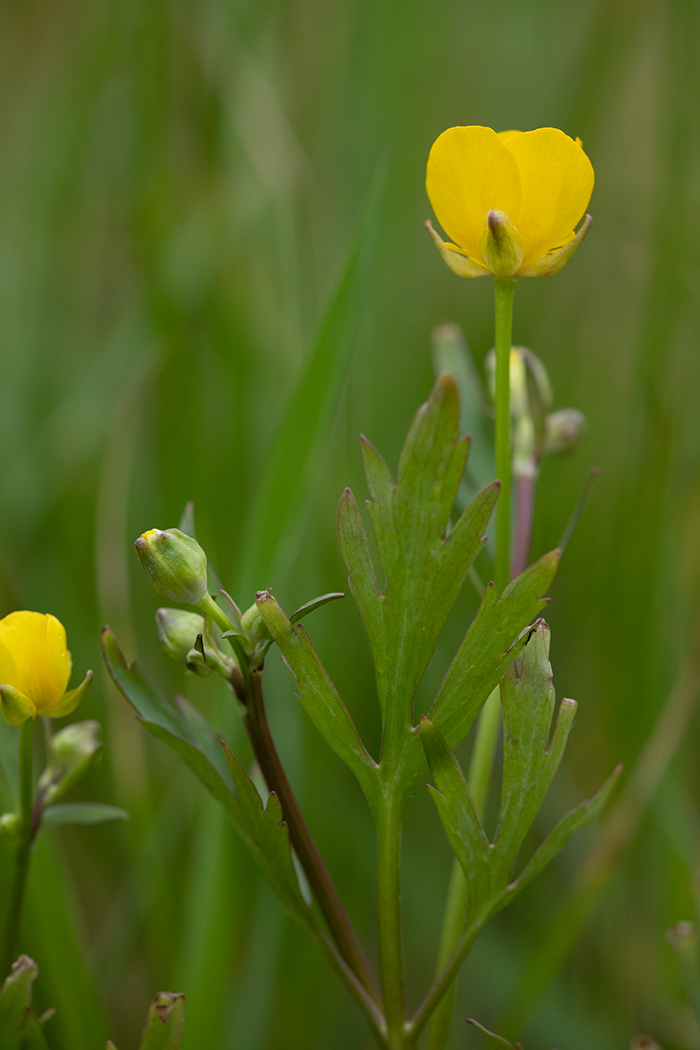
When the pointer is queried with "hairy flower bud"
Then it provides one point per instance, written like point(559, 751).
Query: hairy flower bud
point(175, 564)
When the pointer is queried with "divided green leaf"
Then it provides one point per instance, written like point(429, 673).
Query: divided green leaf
point(166, 1017)
point(189, 734)
point(317, 692)
point(19, 1026)
point(530, 761)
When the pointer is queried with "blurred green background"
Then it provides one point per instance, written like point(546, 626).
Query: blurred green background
point(179, 184)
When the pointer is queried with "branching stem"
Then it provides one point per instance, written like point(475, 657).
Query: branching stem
point(248, 687)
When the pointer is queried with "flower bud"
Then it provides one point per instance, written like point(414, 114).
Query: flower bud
point(72, 752)
point(186, 638)
point(564, 430)
point(177, 631)
point(501, 245)
point(253, 626)
point(175, 564)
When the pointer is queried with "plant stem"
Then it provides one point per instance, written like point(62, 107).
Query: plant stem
point(22, 858)
point(248, 687)
point(504, 289)
point(319, 877)
point(457, 904)
point(389, 902)
point(524, 490)
point(483, 755)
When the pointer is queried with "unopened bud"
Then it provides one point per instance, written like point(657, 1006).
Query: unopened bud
point(501, 245)
point(175, 564)
point(564, 430)
point(177, 631)
point(71, 753)
point(253, 626)
point(187, 639)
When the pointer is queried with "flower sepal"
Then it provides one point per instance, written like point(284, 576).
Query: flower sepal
point(15, 706)
point(455, 258)
point(554, 261)
point(70, 700)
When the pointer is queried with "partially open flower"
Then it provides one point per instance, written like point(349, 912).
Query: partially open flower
point(509, 201)
point(35, 667)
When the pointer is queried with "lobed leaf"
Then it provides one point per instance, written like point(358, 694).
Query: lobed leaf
point(317, 693)
point(165, 1021)
point(493, 640)
point(529, 765)
point(455, 804)
point(189, 734)
point(16, 999)
point(268, 832)
point(580, 817)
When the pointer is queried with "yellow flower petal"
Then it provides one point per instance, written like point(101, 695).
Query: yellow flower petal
point(503, 135)
point(8, 667)
point(470, 171)
point(556, 180)
point(37, 644)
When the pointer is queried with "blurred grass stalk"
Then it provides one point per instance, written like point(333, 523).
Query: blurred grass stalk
point(175, 176)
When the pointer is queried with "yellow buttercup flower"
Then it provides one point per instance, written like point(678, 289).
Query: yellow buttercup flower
point(35, 667)
point(509, 201)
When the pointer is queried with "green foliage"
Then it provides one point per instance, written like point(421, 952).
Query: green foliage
point(178, 181)
point(191, 737)
point(20, 1029)
point(530, 761)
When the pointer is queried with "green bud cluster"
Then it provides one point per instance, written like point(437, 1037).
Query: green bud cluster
point(187, 638)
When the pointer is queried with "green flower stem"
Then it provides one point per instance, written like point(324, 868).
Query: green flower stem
point(487, 731)
point(457, 904)
point(248, 688)
point(390, 939)
point(504, 289)
point(23, 855)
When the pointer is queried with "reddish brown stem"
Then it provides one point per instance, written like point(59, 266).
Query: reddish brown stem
point(317, 873)
point(524, 492)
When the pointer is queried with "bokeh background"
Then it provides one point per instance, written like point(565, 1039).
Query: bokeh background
point(179, 185)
